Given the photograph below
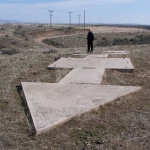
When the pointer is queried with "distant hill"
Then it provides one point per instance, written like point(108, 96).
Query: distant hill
point(10, 21)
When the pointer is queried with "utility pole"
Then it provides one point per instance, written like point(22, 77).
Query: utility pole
point(79, 19)
point(84, 19)
point(51, 17)
point(70, 18)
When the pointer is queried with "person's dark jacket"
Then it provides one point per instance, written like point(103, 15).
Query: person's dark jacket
point(90, 36)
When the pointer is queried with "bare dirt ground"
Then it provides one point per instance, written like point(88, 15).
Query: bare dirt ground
point(122, 125)
point(105, 29)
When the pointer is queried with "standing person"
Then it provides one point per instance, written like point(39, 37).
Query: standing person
point(90, 39)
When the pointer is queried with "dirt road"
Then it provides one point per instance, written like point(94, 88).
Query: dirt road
point(101, 29)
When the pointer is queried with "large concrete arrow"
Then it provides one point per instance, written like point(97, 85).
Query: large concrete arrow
point(80, 91)
point(51, 104)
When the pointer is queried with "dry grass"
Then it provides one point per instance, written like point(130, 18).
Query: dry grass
point(101, 40)
point(124, 124)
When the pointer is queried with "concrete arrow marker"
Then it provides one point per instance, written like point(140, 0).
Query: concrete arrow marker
point(51, 104)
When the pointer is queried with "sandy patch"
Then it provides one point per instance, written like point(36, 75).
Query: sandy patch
point(105, 29)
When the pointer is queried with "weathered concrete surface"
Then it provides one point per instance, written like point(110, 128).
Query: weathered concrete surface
point(84, 76)
point(109, 63)
point(90, 70)
point(93, 62)
point(51, 104)
point(66, 63)
point(115, 52)
point(92, 55)
point(104, 54)
point(96, 56)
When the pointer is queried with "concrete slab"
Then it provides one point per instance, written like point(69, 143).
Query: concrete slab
point(66, 63)
point(97, 56)
point(115, 52)
point(109, 63)
point(80, 54)
point(106, 53)
point(93, 62)
point(84, 76)
point(51, 104)
point(92, 55)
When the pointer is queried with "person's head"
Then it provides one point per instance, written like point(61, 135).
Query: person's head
point(89, 30)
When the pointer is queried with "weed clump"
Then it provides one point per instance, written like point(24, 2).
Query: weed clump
point(142, 39)
point(13, 42)
point(19, 26)
point(6, 35)
point(120, 41)
point(53, 42)
point(103, 42)
point(50, 51)
point(56, 58)
point(40, 26)
point(2, 46)
point(10, 51)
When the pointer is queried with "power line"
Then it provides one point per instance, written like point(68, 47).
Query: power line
point(70, 18)
point(51, 17)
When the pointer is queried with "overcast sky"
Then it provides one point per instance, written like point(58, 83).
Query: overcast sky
point(96, 11)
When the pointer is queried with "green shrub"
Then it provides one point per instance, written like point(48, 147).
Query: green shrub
point(53, 42)
point(22, 34)
point(56, 58)
point(6, 35)
point(20, 27)
point(26, 39)
point(144, 39)
point(13, 42)
point(25, 45)
point(40, 26)
point(2, 46)
point(103, 42)
point(50, 51)
point(10, 51)
point(120, 41)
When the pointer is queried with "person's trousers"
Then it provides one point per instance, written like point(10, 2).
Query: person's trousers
point(90, 46)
